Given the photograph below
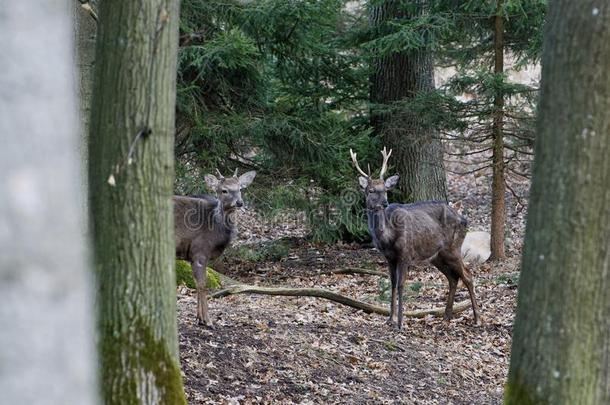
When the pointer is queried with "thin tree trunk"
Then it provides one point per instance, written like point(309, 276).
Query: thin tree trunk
point(85, 28)
point(130, 178)
point(561, 348)
point(47, 353)
point(498, 187)
point(416, 145)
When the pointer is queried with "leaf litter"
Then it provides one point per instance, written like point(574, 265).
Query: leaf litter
point(300, 350)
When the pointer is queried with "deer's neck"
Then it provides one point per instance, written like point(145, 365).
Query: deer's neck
point(225, 221)
point(378, 228)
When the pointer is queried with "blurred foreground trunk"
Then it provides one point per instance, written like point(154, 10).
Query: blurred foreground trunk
point(46, 316)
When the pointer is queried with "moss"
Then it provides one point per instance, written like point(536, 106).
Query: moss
point(518, 393)
point(213, 279)
point(127, 355)
point(268, 251)
point(184, 276)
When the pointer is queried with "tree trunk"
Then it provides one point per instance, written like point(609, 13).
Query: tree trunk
point(417, 147)
point(561, 348)
point(46, 311)
point(130, 178)
point(85, 28)
point(498, 187)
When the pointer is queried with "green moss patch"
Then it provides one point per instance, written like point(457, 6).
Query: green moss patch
point(184, 276)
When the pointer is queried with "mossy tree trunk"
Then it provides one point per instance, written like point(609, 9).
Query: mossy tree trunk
point(498, 185)
point(130, 179)
point(561, 348)
point(399, 76)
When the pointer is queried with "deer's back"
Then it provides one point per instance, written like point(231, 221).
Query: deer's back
point(197, 229)
point(422, 230)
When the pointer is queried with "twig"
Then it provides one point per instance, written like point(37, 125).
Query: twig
point(355, 270)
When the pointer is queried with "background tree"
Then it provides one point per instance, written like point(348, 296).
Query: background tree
point(560, 351)
point(130, 179)
point(85, 27)
point(401, 70)
point(495, 122)
point(46, 344)
point(274, 86)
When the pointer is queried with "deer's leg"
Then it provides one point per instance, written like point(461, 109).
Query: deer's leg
point(452, 278)
point(466, 277)
point(457, 265)
point(394, 281)
point(402, 278)
point(201, 279)
point(453, 282)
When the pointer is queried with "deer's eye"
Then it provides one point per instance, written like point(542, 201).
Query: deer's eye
point(225, 191)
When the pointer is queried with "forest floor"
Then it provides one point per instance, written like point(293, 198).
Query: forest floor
point(268, 349)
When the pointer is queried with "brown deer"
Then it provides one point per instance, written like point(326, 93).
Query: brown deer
point(414, 234)
point(205, 226)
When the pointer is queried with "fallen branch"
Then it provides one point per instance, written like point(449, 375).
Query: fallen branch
point(355, 270)
point(332, 296)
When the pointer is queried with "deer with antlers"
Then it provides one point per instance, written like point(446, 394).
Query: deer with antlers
point(414, 234)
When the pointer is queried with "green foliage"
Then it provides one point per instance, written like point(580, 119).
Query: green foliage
point(416, 286)
point(283, 88)
point(385, 290)
point(274, 86)
point(272, 251)
point(184, 276)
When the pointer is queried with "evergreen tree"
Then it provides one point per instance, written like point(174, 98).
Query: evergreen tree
point(499, 118)
point(275, 86)
point(401, 73)
point(130, 179)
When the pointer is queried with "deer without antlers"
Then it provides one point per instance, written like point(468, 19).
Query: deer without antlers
point(414, 234)
point(205, 226)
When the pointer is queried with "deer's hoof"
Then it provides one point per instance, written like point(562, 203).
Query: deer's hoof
point(205, 323)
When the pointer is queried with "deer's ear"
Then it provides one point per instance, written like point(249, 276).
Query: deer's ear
point(246, 179)
point(211, 181)
point(391, 182)
point(363, 181)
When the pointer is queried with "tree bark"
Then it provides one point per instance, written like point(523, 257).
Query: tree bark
point(46, 312)
point(85, 28)
point(498, 185)
point(130, 178)
point(416, 145)
point(561, 348)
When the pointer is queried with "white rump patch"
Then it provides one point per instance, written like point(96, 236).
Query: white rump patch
point(476, 247)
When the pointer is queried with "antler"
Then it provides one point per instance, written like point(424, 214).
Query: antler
point(384, 166)
point(357, 166)
point(220, 174)
point(235, 174)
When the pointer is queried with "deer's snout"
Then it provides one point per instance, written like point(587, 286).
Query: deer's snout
point(239, 203)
